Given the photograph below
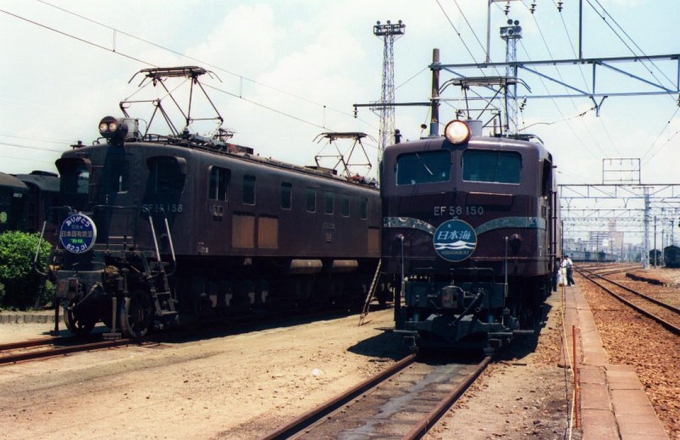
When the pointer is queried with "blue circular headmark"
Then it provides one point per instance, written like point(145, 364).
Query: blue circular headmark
point(454, 240)
point(78, 233)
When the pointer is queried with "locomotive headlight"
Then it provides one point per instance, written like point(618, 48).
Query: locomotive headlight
point(457, 131)
point(112, 128)
point(108, 126)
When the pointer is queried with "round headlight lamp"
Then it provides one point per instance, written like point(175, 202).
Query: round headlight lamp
point(457, 131)
point(108, 127)
point(112, 128)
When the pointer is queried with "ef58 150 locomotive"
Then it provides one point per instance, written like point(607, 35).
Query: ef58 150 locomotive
point(156, 230)
point(470, 234)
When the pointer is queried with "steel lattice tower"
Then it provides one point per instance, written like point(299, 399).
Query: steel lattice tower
point(389, 32)
point(511, 34)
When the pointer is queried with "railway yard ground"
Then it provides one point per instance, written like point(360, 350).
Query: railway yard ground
point(244, 385)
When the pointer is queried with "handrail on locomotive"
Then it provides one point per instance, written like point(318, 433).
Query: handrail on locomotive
point(144, 211)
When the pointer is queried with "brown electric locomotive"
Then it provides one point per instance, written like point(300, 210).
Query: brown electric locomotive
point(158, 230)
point(470, 233)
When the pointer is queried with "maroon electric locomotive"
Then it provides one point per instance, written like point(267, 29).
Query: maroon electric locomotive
point(470, 233)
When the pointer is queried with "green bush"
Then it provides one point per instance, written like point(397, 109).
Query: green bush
point(23, 286)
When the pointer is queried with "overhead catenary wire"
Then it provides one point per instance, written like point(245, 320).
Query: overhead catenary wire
point(203, 63)
point(122, 54)
point(453, 26)
point(584, 80)
point(665, 127)
point(315, 121)
point(547, 47)
point(604, 14)
point(642, 53)
point(28, 147)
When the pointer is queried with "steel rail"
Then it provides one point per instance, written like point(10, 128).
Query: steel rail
point(427, 422)
point(667, 306)
point(306, 419)
point(60, 351)
point(27, 344)
point(667, 325)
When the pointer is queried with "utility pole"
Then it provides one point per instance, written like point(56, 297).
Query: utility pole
point(389, 32)
point(645, 257)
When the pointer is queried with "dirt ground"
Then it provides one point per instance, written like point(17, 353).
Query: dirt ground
point(526, 394)
point(245, 385)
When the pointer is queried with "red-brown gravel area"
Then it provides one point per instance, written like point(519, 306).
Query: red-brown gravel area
point(631, 339)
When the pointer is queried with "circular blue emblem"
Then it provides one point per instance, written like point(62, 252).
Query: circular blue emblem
point(78, 233)
point(454, 240)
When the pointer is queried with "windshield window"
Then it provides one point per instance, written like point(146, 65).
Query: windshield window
point(424, 167)
point(77, 180)
point(492, 166)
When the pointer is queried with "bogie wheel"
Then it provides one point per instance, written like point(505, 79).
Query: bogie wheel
point(78, 325)
point(136, 314)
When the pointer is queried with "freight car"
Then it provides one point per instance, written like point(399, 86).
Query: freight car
point(470, 233)
point(156, 231)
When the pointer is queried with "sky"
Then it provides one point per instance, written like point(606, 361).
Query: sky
point(286, 71)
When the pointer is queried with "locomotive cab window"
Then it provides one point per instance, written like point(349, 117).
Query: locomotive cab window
point(75, 176)
point(311, 200)
point(328, 202)
point(546, 184)
point(248, 190)
point(492, 166)
point(424, 167)
point(167, 174)
point(219, 184)
point(286, 195)
point(122, 181)
point(363, 208)
point(345, 205)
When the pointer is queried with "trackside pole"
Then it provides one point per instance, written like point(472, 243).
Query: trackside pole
point(577, 390)
point(57, 303)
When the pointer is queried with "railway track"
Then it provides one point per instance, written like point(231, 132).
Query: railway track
point(402, 402)
point(40, 349)
point(665, 314)
point(608, 269)
point(44, 348)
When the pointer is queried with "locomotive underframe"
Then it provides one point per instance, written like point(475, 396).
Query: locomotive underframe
point(468, 308)
point(233, 286)
point(144, 297)
point(129, 282)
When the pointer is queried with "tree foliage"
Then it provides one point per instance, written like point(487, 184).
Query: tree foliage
point(22, 284)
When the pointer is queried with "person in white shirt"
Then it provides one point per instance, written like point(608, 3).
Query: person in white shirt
point(569, 266)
